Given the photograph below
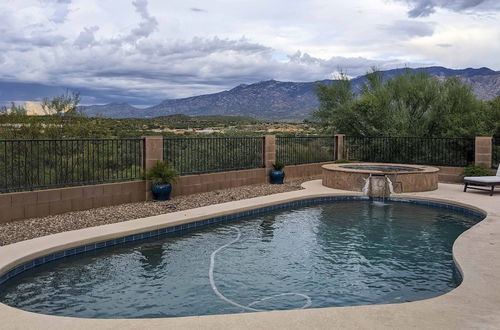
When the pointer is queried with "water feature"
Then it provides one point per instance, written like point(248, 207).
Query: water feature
point(400, 178)
point(378, 186)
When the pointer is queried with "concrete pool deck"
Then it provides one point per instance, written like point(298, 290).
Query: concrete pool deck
point(475, 304)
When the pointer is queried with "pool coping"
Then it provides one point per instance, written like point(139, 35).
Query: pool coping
point(448, 310)
point(341, 167)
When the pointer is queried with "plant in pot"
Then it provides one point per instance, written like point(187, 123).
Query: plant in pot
point(276, 175)
point(162, 175)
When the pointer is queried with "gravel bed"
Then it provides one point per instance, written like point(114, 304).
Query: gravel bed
point(30, 228)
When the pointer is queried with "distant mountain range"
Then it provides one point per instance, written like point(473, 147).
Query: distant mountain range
point(278, 100)
point(274, 100)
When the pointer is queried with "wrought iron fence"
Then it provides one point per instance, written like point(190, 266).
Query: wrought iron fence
point(294, 150)
point(207, 154)
point(495, 152)
point(411, 150)
point(38, 164)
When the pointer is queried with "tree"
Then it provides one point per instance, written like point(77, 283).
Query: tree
point(67, 120)
point(410, 104)
point(493, 116)
point(65, 104)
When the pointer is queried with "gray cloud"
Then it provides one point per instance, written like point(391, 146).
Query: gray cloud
point(26, 41)
point(409, 29)
point(148, 24)
point(422, 8)
point(159, 69)
point(198, 10)
point(86, 38)
point(142, 64)
point(60, 9)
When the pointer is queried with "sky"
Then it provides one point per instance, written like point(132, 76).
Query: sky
point(144, 51)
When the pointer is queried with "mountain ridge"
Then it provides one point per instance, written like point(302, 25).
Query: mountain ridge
point(282, 100)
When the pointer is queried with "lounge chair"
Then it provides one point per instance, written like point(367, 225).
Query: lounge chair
point(483, 181)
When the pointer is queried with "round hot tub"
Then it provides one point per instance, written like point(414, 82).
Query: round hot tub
point(403, 178)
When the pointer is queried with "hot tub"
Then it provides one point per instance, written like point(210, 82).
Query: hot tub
point(404, 178)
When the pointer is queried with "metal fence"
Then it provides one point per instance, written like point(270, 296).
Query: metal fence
point(294, 150)
point(38, 164)
point(411, 150)
point(207, 154)
point(495, 152)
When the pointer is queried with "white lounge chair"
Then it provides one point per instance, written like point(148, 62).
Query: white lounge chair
point(483, 181)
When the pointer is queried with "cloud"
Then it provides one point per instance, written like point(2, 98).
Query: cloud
point(148, 24)
point(422, 8)
point(145, 65)
point(60, 9)
point(140, 50)
point(410, 28)
point(86, 38)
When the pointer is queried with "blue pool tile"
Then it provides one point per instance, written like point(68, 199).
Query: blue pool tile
point(18, 270)
point(90, 247)
point(38, 261)
point(162, 231)
point(120, 240)
point(29, 264)
point(59, 255)
point(48, 258)
point(100, 245)
point(110, 242)
point(129, 238)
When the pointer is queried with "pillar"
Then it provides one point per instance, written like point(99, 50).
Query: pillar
point(483, 149)
point(339, 146)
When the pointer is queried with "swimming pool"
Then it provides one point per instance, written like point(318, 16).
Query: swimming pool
point(331, 254)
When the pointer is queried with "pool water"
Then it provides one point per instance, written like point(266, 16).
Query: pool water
point(382, 168)
point(332, 254)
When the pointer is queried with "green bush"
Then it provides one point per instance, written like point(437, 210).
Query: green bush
point(162, 173)
point(473, 170)
point(278, 166)
point(342, 161)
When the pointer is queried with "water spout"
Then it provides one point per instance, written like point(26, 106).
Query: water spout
point(391, 186)
point(378, 186)
point(366, 187)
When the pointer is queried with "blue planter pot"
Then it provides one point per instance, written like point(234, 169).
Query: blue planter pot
point(161, 192)
point(276, 177)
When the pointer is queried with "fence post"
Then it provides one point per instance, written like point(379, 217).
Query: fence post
point(153, 151)
point(483, 145)
point(339, 146)
point(269, 151)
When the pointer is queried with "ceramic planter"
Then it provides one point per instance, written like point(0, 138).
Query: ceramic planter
point(161, 192)
point(276, 177)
